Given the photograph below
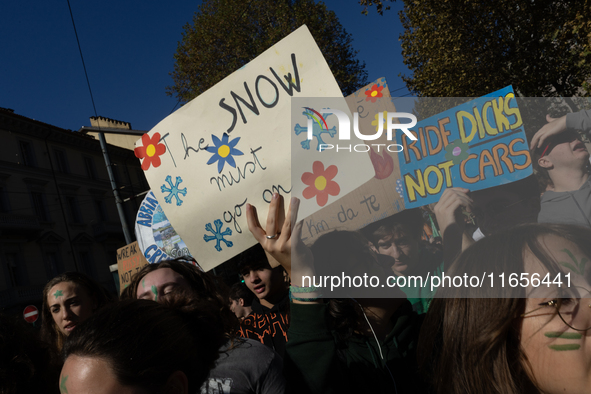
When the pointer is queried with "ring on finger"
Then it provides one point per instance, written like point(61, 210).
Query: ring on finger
point(273, 236)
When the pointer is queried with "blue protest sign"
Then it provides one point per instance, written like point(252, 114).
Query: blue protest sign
point(476, 145)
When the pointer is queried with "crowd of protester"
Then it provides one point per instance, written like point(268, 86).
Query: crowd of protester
point(177, 329)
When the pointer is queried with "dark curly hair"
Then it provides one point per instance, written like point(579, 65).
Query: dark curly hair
point(409, 221)
point(239, 290)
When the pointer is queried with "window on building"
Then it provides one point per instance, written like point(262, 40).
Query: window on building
point(40, 206)
point(90, 168)
point(15, 269)
point(4, 205)
point(100, 210)
point(27, 154)
point(143, 183)
point(86, 262)
point(74, 209)
point(112, 256)
point(52, 264)
point(62, 161)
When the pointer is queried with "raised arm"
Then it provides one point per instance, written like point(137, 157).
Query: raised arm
point(276, 237)
point(553, 127)
point(451, 222)
point(284, 245)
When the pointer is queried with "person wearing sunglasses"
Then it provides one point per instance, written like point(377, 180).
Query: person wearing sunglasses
point(562, 161)
point(530, 335)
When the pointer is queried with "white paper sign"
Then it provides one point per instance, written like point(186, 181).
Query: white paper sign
point(231, 146)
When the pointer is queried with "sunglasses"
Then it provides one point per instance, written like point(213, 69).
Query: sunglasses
point(567, 136)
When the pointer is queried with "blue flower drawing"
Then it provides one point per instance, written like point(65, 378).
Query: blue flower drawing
point(223, 151)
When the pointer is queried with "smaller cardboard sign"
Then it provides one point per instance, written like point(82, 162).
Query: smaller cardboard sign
point(129, 261)
point(380, 196)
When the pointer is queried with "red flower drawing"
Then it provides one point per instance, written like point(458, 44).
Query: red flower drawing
point(320, 183)
point(374, 93)
point(150, 151)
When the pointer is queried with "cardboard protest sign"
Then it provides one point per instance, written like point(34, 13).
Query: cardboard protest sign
point(324, 166)
point(475, 145)
point(157, 239)
point(381, 195)
point(230, 146)
point(129, 261)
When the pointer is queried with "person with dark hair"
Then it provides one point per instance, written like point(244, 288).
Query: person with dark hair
point(68, 300)
point(349, 345)
point(244, 366)
point(269, 319)
point(26, 364)
point(529, 337)
point(139, 346)
point(157, 281)
point(241, 300)
point(562, 160)
point(399, 236)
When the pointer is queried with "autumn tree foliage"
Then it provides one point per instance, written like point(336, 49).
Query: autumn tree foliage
point(227, 34)
point(468, 48)
point(380, 6)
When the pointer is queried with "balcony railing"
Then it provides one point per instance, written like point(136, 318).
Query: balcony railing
point(20, 295)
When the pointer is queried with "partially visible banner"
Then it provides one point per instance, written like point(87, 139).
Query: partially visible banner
point(129, 261)
point(156, 237)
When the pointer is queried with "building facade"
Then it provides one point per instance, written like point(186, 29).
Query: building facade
point(57, 210)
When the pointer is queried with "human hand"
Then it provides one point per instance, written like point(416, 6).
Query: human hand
point(448, 210)
point(553, 127)
point(287, 245)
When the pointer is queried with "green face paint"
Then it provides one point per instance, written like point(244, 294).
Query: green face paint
point(563, 335)
point(576, 266)
point(562, 348)
point(63, 388)
point(144, 283)
point(155, 291)
point(58, 293)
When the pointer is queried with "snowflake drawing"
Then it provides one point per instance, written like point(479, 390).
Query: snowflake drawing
point(319, 127)
point(173, 190)
point(217, 235)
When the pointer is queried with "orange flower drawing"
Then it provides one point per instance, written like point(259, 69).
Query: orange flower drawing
point(374, 93)
point(320, 183)
point(150, 151)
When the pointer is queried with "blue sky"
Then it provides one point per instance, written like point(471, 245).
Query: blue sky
point(128, 49)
